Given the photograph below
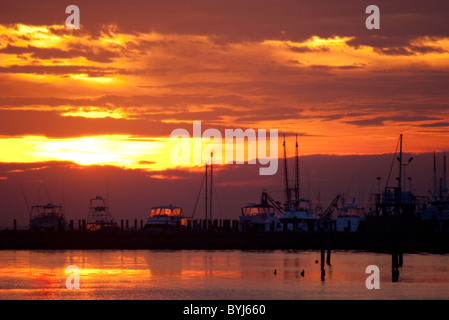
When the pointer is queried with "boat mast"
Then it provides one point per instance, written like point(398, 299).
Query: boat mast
point(287, 189)
point(434, 176)
point(400, 163)
point(211, 169)
point(444, 172)
point(205, 207)
point(297, 173)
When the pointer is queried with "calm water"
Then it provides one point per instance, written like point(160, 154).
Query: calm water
point(239, 275)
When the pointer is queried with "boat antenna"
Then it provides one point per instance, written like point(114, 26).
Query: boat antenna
point(434, 175)
point(198, 197)
point(391, 167)
point(287, 189)
point(205, 207)
point(211, 169)
point(48, 195)
point(400, 163)
point(297, 172)
point(444, 171)
point(63, 196)
point(26, 202)
point(107, 191)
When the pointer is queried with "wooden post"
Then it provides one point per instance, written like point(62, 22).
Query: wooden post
point(135, 224)
point(322, 265)
point(127, 224)
point(328, 258)
point(15, 224)
point(394, 266)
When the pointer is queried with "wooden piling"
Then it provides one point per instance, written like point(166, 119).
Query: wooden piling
point(328, 257)
point(322, 265)
point(394, 266)
point(15, 225)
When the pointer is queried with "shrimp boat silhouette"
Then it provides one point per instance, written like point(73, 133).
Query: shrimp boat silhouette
point(297, 215)
point(47, 217)
point(166, 218)
point(99, 218)
point(261, 217)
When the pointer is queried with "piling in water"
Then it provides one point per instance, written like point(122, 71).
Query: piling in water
point(394, 266)
point(322, 265)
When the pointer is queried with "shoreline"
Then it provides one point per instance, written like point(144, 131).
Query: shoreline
point(225, 240)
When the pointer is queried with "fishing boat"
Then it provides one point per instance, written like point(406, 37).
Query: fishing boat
point(394, 207)
point(47, 217)
point(349, 216)
point(260, 217)
point(297, 215)
point(166, 218)
point(434, 211)
point(99, 218)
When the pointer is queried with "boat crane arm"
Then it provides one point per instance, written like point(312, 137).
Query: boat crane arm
point(328, 212)
point(266, 198)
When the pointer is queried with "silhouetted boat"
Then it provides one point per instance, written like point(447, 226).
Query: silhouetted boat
point(260, 217)
point(166, 218)
point(349, 216)
point(395, 208)
point(297, 215)
point(99, 218)
point(434, 211)
point(47, 217)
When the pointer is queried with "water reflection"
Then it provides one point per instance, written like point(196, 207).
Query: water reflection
point(141, 274)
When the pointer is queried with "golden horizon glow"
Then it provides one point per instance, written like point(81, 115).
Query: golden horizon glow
point(128, 66)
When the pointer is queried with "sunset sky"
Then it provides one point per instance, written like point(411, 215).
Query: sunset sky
point(101, 101)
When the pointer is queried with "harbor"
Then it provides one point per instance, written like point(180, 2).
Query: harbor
point(398, 221)
point(225, 240)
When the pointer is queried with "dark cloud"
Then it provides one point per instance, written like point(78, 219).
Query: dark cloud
point(75, 50)
point(249, 20)
point(62, 70)
point(378, 121)
point(434, 125)
point(409, 51)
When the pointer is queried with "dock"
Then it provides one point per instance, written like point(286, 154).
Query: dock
point(224, 240)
